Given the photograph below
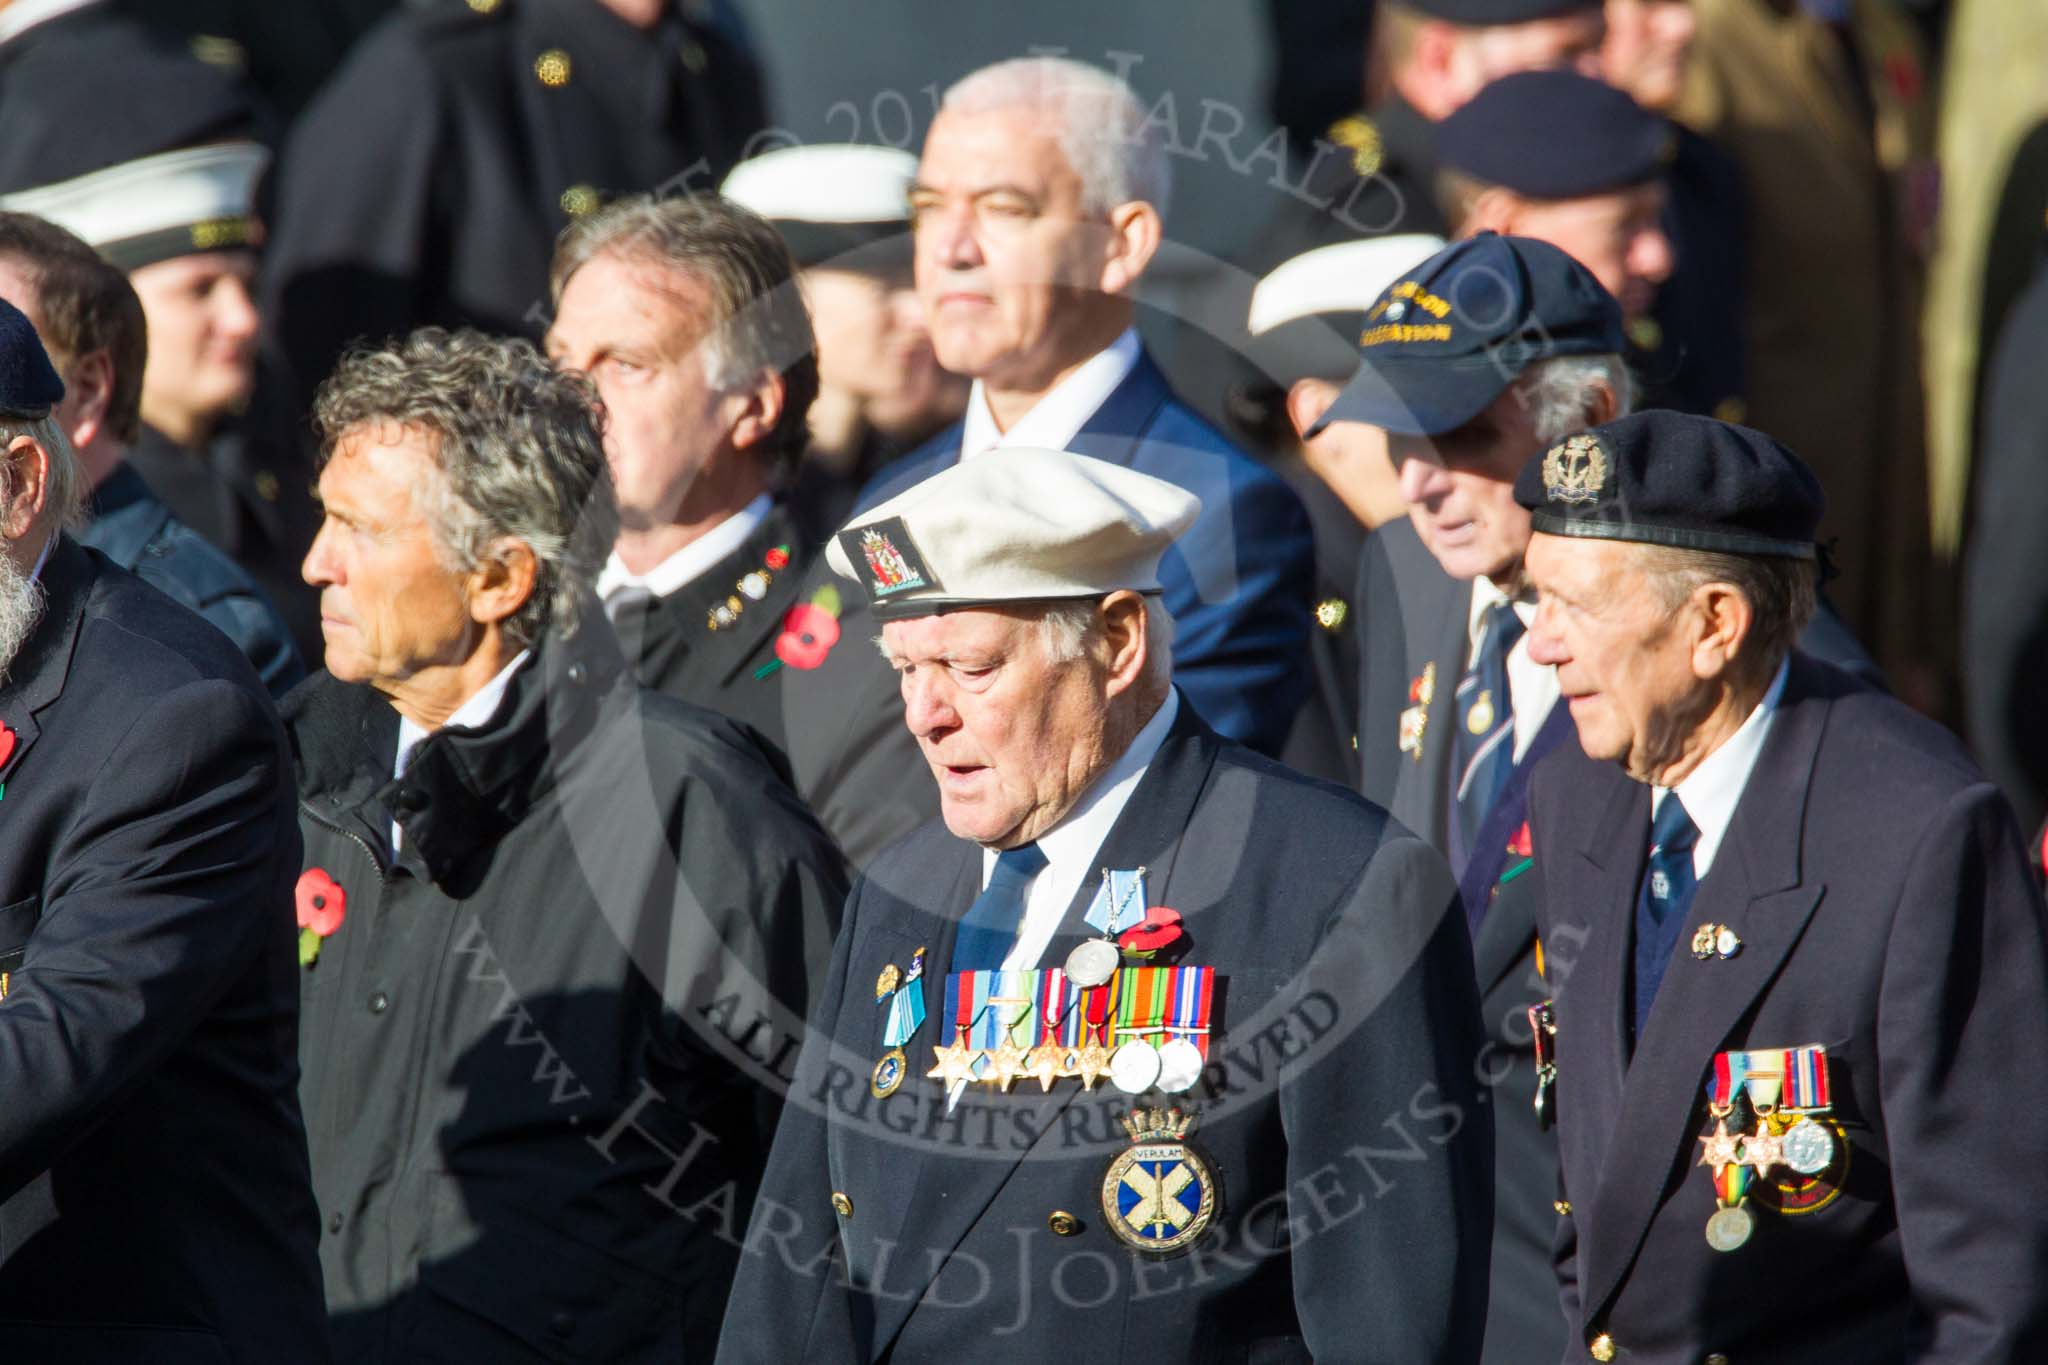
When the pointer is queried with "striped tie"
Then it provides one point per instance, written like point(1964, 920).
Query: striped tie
point(1485, 748)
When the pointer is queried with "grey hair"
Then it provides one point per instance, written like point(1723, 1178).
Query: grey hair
point(64, 489)
point(518, 450)
point(1066, 628)
point(1560, 393)
point(759, 322)
point(1783, 593)
point(1119, 154)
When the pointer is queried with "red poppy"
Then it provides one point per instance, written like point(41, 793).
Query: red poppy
point(808, 634)
point(6, 743)
point(1520, 844)
point(322, 905)
point(1160, 927)
point(777, 558)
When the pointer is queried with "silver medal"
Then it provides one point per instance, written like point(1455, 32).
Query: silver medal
point(1093, 963)
point(1729, 1228)
point(1180, 1066)
point(1134, 1067)
point(1809, 1147)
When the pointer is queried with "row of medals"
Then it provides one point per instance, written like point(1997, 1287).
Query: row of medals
point(1805, 1147)
point(1134, 1067)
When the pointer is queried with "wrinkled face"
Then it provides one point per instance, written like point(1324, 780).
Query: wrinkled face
point(872, 342)
point(1004, 253)
point(1619, 237)
point(1460, 490)
point(1647, 44)
point(635, 328)
point(1624, 662)
point(202, 335)
point(1564, 42)
point(389, 605)
point(1013, 739)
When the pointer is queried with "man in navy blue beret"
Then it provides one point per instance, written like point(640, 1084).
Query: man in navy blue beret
point(1796, 951)
point(155, 1202)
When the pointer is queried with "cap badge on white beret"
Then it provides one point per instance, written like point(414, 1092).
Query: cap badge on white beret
point(889, 559)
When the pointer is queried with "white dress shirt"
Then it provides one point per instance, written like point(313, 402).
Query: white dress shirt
point(1071, 846)
point(691, 562)
point(1532, 687)
point(1057, 418)
point(1711, 791)
point(474, 714)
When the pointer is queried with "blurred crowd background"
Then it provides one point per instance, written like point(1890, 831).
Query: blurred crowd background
point(1851, 255)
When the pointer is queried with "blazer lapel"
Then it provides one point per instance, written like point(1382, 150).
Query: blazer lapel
point(1434, 620)
point(1499, 939)
point(1146, 834)
point(1113, 429)
point(36, 676)
point(1754, 889)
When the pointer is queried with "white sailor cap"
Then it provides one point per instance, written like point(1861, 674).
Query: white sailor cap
point(828, 201)
point(1014, 525)
point(148, 210)
point(1346, 277)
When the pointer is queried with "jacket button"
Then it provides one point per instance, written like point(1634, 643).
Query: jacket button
point(1602, 1348)
point(1716, 1359)
point(334, 1223)
point(561, 1324)
point(1563, 1207)
point(577, 673)
point(1064, 1224)
point(379, 1003)
point(841, 1205)
point(411, 798)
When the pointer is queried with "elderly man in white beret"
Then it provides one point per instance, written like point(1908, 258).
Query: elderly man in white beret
point(1148, 1049)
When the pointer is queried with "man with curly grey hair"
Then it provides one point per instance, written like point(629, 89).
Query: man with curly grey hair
point(554, 928)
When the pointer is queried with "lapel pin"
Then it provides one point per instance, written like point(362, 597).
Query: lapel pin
point(1715, 940)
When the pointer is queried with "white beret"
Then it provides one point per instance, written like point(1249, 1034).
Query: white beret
point(1016, 524)
point(1346, 277)
point(828, 201)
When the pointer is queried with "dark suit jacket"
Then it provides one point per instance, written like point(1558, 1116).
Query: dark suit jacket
point(1885, 911)
point(1240, 584)
point(1411, 614)
point(723, 670)
point(154, 1197)
point(1338, 1109)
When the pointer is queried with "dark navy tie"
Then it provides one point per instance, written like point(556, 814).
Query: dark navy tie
point(1485, 746)
point(989, 928)
point(1663, 899)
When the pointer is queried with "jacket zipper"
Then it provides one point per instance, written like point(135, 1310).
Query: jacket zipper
point(383, 878)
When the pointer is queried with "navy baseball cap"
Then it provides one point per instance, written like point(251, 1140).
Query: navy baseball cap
point(29, 386)
point(1672, 478)
point(1555, 135)
point(1447, 338)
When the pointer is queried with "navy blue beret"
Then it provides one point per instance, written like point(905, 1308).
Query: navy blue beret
point(28, 382)
point(1554, 135)
point(1448, 337)
point(1487, 13)
point(1671, 478)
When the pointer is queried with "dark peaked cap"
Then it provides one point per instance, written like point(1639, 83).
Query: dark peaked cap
point(1671, 478)
point(1554, 135)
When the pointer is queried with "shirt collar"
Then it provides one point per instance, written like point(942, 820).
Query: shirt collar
point(1072, 843)
point(1711, 790)
point(1485, 592)
point(1058, 416)
point(473, 714)
point(691, 562)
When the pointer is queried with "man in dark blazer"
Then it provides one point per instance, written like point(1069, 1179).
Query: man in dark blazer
point(1331, 1144)
point(154, 1200)
point(1796, 949)
point(1461, 416)
point(684, 312)
point(1027, 262)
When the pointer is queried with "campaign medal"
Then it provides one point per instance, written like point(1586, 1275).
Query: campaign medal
point(1134, 1066)
point(1415, 720)
point(1003, 1015)
point(1159, 1195)
point(1091, 1059)
point(1187, 1016)
point(904, 996)
point(1725, 1159)
point(1049, 1060)
point(966, 994)
point(1480, 718)
point(1809, 1147)
point(1094, 962)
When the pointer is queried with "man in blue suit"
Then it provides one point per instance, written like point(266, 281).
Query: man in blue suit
point(1036, 209)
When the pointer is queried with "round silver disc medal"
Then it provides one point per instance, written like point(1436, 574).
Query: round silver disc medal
point(1093, 963)
point(1180, 1065)
point(1809, 1147)
point(1134, 1067)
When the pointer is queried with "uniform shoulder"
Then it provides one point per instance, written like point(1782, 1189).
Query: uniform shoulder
point(1914, 752)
